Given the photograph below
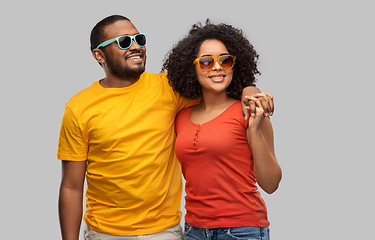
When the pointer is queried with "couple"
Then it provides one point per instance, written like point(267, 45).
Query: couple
point(120, 134)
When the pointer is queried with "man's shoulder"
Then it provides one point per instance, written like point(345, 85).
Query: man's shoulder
point(160, 76)
point(158, 80)
point(83, 94)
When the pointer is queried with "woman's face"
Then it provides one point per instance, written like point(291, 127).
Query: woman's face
point(217, 79)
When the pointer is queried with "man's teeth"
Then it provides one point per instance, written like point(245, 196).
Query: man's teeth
point(136, 57)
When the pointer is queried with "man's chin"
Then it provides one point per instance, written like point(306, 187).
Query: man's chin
point(137, 70)
point(133, 72)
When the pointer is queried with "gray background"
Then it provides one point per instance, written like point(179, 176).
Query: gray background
point(317, 59)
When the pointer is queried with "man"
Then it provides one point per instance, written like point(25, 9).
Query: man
point(119, 134)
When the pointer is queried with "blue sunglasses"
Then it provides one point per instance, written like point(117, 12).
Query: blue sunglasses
point(125, 41)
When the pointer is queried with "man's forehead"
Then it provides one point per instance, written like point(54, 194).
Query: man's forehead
point(122, 27)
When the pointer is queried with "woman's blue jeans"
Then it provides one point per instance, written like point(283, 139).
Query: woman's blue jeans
point(231, 233)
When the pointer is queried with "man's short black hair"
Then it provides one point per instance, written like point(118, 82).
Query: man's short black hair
point(97, 33)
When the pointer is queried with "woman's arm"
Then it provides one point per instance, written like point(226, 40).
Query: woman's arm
point(260, 139)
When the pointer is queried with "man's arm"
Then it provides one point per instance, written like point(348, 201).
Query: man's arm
point(71, 198)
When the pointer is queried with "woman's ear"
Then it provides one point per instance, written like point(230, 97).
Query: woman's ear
point(99, 56)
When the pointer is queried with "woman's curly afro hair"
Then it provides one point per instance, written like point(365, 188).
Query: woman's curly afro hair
point(179, 61)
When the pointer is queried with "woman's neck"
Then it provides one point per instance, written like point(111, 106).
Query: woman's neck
point(213, 101)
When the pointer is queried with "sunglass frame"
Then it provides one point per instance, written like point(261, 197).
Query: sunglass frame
point(103, 44)
point(216, 59)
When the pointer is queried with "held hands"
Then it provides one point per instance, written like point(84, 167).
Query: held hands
point(258, 107)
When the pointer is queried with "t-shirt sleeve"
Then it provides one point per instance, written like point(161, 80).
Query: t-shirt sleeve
point(72, 146)
point(181, 101)
point(185, 102)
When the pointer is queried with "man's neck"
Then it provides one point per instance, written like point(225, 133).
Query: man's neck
point(114, 82)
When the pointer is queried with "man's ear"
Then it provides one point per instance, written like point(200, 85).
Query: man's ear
point(99, 56)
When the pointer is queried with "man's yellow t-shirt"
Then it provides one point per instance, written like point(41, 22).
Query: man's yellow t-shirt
point(127, 136)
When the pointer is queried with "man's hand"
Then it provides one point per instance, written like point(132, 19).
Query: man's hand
point(264, 99)
point(249, 106)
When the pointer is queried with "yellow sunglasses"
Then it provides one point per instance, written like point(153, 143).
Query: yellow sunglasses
point(206, 63)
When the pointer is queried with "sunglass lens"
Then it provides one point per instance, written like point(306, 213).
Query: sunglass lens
point(226, 62)
point(206, 63)
point(125, 42)
point(141, 40)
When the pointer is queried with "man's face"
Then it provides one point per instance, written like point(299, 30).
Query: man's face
point(124, 63)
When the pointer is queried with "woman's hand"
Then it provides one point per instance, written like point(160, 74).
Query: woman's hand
point(249, 105)
point(261, 99)
point(258, 116)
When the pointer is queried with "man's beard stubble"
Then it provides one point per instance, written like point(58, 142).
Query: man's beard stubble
point(126, 72)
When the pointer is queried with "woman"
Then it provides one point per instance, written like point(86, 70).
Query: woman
point(222, 155)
